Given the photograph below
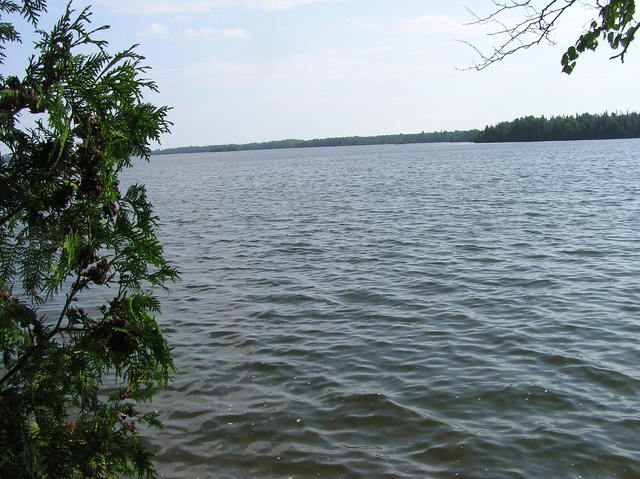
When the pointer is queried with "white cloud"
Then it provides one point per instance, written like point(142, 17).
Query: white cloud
point(215, 70)
point(433, 25)
point(278, 4)
point(339, 67)
point(207, 32)
point(437, 25)
point(200, 32)
point(202, 6)
point(155, 30)
point(237, 32)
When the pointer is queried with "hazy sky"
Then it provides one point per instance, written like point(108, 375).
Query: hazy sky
point(256, 70)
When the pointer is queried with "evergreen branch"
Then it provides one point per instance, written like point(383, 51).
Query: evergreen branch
point(66, 197)
point(23, 359)
point(9, 215)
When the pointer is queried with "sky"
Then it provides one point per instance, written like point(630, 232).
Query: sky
point(237, 71)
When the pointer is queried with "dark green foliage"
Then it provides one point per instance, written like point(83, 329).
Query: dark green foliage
point(65, 227)
point(29, 9)
point(400, 139)
point(615, 25)
point(579, 127)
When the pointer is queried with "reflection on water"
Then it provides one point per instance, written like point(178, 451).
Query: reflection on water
point(402, 311)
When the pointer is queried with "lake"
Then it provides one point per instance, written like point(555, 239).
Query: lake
point(410, 311)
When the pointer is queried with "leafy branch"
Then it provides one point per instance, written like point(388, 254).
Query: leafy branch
point(522, 24)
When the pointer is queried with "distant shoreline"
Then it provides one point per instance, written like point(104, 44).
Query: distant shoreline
point(458, 136)
point(586, 126)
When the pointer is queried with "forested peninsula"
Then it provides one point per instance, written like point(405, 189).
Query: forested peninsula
point(585, 126)
point(605, 126)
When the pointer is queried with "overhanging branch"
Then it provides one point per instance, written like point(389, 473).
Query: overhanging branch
point(534, 27)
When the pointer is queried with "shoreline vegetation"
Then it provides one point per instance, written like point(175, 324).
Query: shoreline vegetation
point(586, 126)
point(399, 139)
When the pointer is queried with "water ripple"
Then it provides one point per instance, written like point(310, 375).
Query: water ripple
point(431, 311)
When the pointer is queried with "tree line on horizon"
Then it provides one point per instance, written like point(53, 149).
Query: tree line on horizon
point(399, 139)
point(557, 128)
point(584, 126)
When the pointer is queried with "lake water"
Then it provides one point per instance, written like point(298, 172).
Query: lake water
point(415, 311)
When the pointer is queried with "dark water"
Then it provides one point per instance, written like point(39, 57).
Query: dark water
point(421, 311)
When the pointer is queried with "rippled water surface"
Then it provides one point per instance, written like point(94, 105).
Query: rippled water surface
point(418, 311)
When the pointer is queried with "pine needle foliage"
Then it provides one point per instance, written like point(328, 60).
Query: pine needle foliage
point(70, 382)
